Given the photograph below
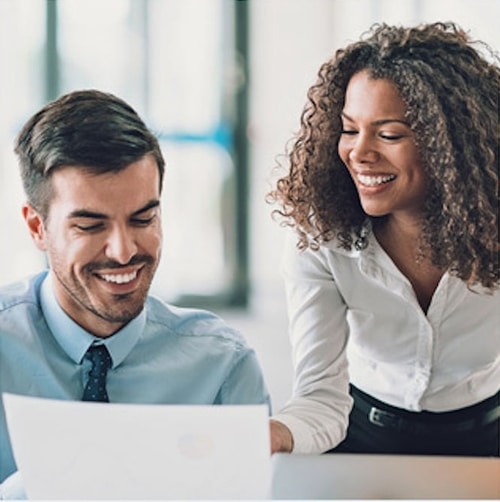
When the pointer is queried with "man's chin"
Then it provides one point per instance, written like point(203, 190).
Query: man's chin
point(119, 315)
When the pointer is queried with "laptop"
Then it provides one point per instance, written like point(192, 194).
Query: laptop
point(355, 476)
point(79, 450)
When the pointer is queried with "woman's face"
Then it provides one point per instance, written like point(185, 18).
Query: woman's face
point(378, 148)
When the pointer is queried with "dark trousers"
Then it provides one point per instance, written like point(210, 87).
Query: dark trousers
point(375, 427)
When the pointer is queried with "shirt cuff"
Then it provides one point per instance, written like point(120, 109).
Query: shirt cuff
point(13, 488)
point(304, 439)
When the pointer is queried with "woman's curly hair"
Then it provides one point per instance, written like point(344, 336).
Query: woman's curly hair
point(450, 86)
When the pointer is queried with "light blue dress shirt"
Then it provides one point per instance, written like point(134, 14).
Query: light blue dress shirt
point(166, 355)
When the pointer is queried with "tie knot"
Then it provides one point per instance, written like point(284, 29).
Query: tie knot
point(99, 355)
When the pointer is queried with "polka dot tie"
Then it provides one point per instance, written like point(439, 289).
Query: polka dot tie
point(96, 386)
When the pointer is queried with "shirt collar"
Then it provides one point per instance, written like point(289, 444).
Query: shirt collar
point(75, 340)
point(364, 241)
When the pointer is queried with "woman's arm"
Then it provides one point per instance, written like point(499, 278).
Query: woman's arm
point(317, 413)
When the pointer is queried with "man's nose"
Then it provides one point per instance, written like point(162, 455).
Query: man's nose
point(121, 245)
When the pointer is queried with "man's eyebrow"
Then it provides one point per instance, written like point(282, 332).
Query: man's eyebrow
point(150, 205)
point(378, 122)
point(86, 213)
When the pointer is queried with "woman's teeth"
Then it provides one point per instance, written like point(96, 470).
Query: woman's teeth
point(372, 181)
point(119, 278)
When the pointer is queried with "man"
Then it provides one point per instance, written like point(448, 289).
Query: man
point(93, 175)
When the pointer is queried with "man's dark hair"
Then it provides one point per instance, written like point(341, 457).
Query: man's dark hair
point(88, 128)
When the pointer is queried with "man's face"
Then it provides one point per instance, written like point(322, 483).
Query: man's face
point(103, 240)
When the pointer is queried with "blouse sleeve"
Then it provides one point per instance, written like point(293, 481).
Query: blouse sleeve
point(317, 413)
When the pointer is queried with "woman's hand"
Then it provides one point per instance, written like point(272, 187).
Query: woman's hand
point(281, 437)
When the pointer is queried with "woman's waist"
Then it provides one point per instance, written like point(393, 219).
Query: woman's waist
point(380, 413)
point(417, 388)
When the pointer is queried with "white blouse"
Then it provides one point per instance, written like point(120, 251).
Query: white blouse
point(354, 317)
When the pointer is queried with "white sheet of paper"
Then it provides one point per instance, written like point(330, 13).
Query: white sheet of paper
point(79, 450)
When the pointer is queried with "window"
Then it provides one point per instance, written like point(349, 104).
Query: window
point(176, 63)
point(22, 38)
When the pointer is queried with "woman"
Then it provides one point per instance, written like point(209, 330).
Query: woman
point(392, 272)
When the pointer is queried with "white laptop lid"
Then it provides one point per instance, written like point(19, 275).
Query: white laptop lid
point(349, 476)
point(80, 450)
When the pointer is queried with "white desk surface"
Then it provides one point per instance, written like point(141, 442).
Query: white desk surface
point(349, 476)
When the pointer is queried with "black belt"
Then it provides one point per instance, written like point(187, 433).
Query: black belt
point(464, 420)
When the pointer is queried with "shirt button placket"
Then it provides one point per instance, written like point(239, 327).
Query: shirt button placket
point(423, 363)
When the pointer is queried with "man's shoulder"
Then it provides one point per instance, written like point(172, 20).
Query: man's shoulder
point(191, 322)
point(22, 292)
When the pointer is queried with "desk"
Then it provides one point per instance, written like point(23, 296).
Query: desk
point(350, 476)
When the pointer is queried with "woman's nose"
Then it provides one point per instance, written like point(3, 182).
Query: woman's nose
point(363, 149)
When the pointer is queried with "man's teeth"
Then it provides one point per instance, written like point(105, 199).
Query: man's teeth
point(372, 181)
point(119, 278)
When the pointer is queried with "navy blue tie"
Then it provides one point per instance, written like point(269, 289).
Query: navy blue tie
point(96, 386)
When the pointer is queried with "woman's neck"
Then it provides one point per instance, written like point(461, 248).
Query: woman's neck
point(400, 239)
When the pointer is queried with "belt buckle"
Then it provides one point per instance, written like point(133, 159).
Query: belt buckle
point(383, 418)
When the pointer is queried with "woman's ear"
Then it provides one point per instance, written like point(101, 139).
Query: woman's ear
point(35, 224)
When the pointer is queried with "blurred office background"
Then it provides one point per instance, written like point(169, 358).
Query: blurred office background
point(222, 83)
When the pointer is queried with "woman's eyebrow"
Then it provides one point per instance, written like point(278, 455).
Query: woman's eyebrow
point(379, 121)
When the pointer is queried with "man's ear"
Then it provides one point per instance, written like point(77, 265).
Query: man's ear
point(36, 225)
